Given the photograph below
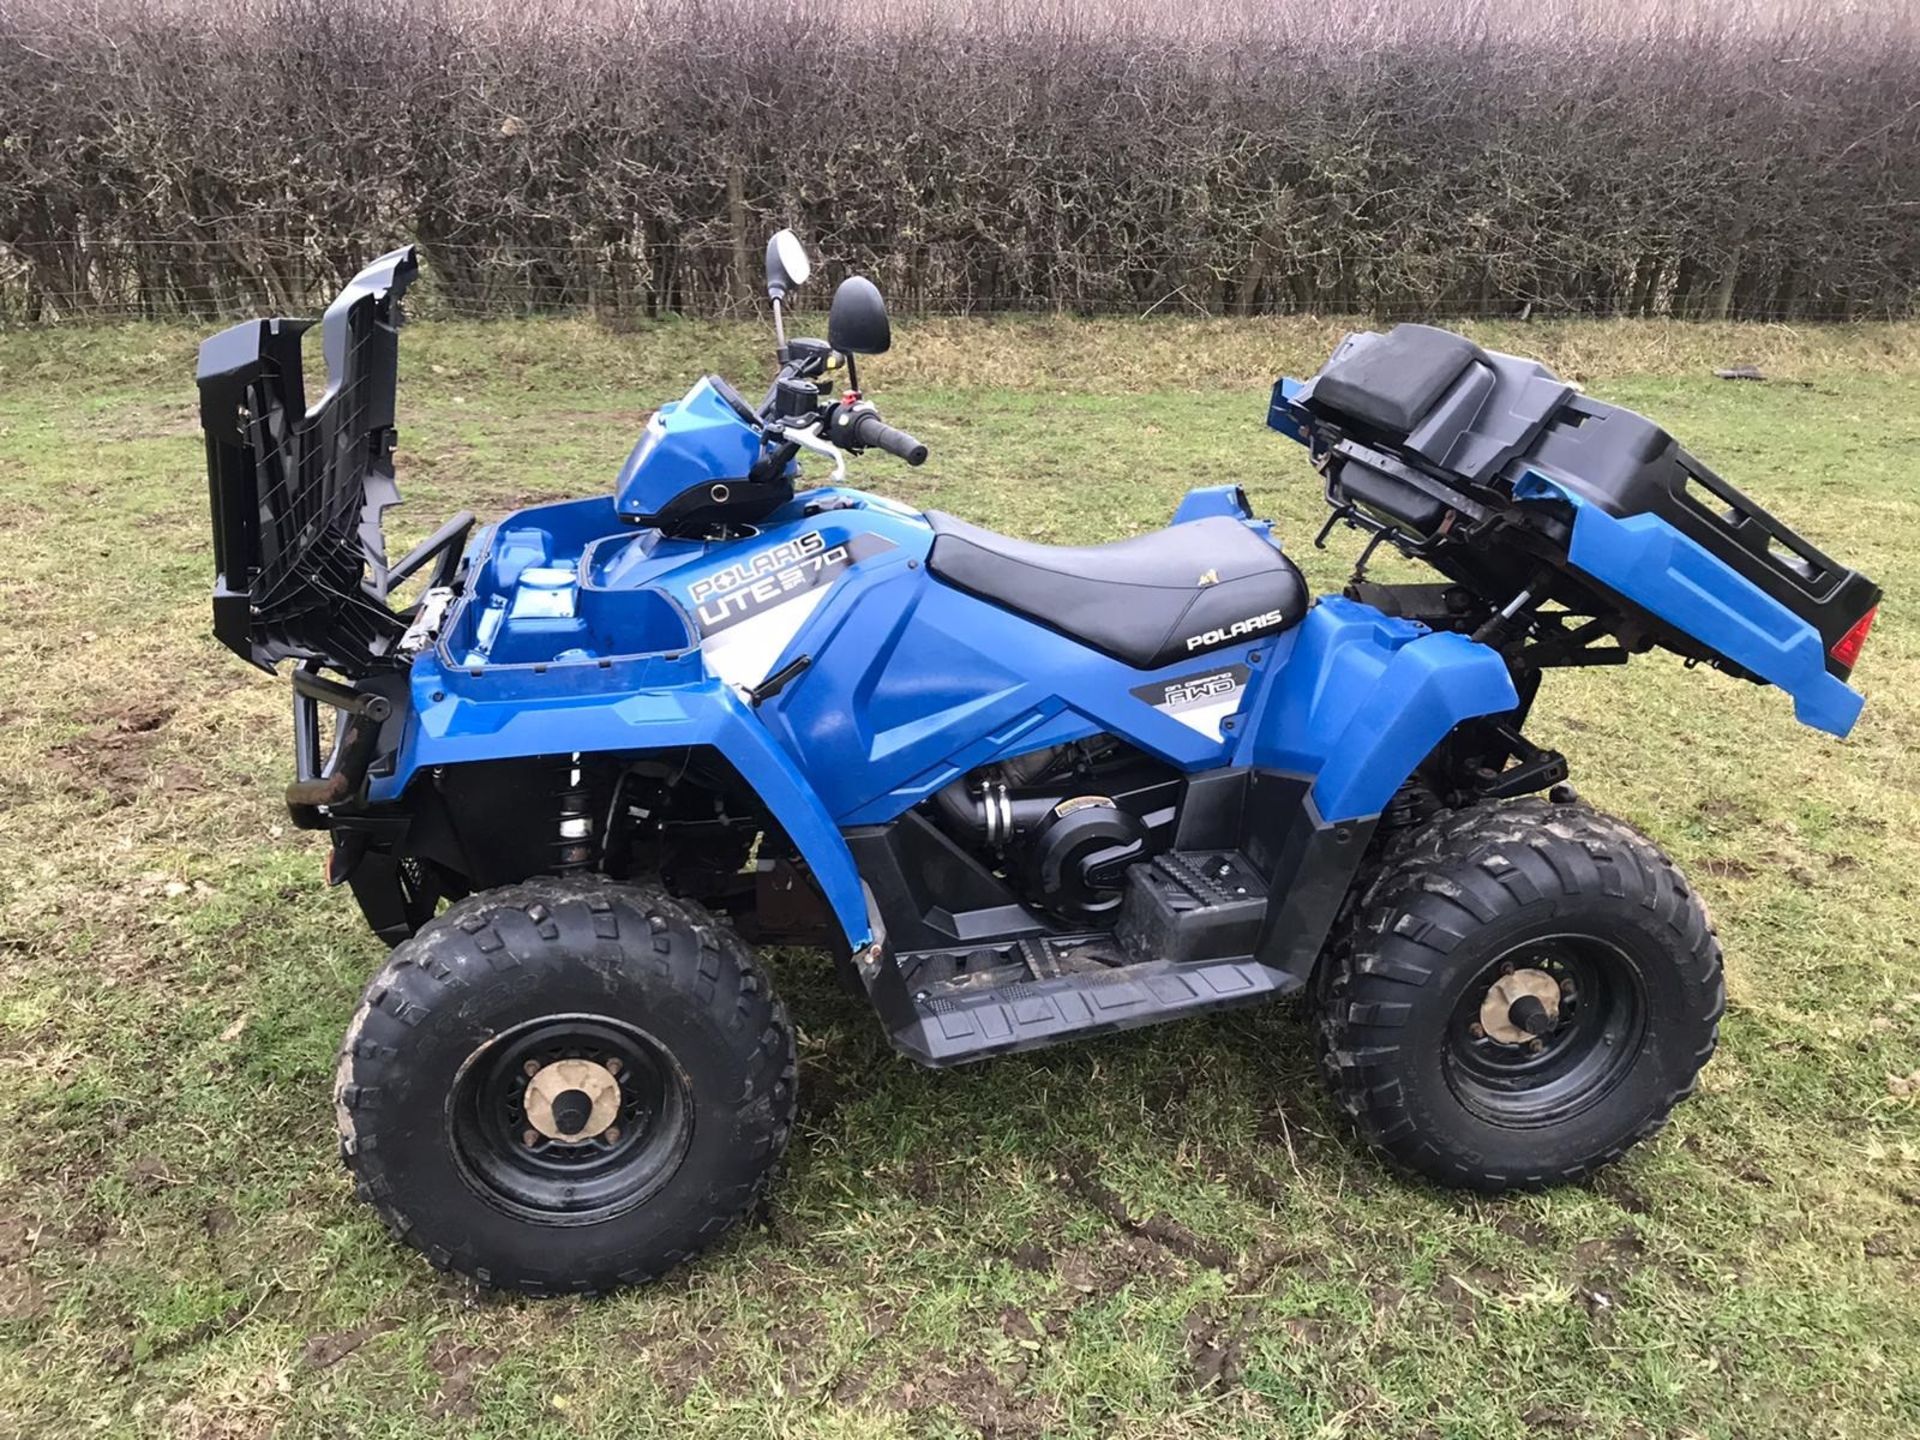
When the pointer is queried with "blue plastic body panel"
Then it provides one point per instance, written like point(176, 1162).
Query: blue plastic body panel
point(694, 440)
point(582, 633)
point(1647, 561)
point(1284, 414)
point(1198, 504)
point(1362, 698)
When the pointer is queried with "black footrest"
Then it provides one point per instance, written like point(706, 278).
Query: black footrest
point(1192, 905)
point(955, 1022)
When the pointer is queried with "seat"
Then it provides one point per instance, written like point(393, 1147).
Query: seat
point(1148, 601)
point(1391, 381)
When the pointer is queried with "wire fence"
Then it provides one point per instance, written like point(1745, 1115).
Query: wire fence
point(160, 279)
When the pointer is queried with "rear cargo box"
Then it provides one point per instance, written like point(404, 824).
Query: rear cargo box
point(1489, 466)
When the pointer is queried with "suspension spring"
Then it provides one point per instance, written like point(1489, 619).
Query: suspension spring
point(573, 843)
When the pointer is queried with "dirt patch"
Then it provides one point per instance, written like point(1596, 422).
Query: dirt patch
point(1216, 1349)
point(1727, 867)
point(20, 1297)
point(1725, 811)
point(1776, 863)
point(1018, 1327)
point(150, 1173)
point(1618, 1255)
point(1386, 1299)
point(323, 1352)
point(1602, 1268)
point(115, 756)
point(1621, 1192)
point(1530, 1233)
point(1094, 1272)
point(1217, 1337)
point(850, 1384)
point(459, 1366)
point(1080, 1180)
point(1599, 1304)
point(1554, 1420)
point(982, 1397)
point(801, 1344)
point(1464, 1293)
point(1032, 1256)
point(923, 1179)
point(819, 1094)
point(1250, 1179)
point(1272, 1256)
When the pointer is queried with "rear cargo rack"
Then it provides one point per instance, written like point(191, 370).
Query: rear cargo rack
point(1647, 473)
point(297, 494)
point(1448, 451)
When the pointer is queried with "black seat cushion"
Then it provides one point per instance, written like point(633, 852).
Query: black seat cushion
point(1391, 381)
point(1148, 601)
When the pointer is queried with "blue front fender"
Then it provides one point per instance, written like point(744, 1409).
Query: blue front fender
point(454, 730)
point(1362, 698)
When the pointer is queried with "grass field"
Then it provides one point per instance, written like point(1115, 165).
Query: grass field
point(1164, 1234)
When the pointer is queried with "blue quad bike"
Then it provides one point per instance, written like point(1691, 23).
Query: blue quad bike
point(1024, 793)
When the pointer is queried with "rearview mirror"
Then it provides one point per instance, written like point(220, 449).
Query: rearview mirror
point(787, 264)
point(857, 323)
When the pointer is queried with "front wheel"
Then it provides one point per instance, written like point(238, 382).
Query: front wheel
point(566, 1085)
point(1527, 990)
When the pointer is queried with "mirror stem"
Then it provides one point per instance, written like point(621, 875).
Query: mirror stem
point(779, 333)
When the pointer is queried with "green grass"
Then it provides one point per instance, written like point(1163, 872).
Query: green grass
point(1166, 1234)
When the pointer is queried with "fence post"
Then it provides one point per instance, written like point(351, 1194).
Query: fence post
point(742, 250)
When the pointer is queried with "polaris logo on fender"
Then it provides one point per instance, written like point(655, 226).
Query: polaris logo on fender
point(1235, 630)
point(779, 573)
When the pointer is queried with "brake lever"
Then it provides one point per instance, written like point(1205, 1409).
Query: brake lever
point(807, 440)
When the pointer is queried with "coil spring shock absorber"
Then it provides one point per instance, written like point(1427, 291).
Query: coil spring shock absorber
point(573, 843)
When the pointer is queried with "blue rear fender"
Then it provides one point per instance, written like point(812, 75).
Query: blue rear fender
point(1362, 698)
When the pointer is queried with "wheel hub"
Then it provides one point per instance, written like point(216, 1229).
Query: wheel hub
point(572, 1101)
point(1521, 1007)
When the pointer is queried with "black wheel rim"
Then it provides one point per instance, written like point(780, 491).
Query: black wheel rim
point(536, 1176)
point(1596, 1035)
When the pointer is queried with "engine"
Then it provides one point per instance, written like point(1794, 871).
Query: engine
point(1063, 824)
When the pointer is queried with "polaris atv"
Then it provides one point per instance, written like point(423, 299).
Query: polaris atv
point(1024, 793)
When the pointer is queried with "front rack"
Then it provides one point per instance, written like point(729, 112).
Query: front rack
point(297, 494)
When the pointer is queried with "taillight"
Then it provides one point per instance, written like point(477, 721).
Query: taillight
point(1847, 648)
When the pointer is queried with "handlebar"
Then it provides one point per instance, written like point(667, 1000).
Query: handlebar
point(863, 429)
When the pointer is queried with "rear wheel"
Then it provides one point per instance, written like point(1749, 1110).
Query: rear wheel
point(1526, 991)
point(566, 1085)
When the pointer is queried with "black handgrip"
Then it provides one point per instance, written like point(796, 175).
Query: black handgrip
point(865, 430)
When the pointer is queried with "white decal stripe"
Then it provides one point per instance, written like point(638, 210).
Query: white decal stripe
point(1204, 718)
point(743, 654)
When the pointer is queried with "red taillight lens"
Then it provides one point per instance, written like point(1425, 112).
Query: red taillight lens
point(1847, 648)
